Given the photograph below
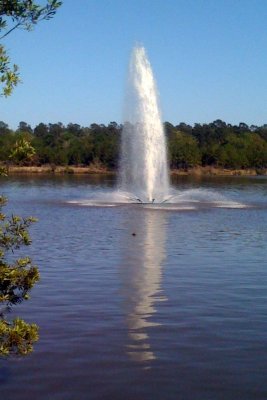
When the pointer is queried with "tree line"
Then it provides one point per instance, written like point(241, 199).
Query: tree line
point(216, 144)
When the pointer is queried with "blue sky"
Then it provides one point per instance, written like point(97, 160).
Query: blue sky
point(209, 59)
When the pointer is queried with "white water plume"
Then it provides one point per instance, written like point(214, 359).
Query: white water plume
point(144, 175)
point(143, 167)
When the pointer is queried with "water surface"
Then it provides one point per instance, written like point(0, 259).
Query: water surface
point(141, 303)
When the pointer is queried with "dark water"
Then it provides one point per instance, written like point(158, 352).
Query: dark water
point(176, 311)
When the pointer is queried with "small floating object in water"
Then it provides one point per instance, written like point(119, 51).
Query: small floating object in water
point(133, 234)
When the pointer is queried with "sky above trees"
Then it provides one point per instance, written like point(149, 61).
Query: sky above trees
point(208, 57)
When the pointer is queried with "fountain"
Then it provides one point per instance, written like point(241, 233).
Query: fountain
point(143, 164)
point(143, 173)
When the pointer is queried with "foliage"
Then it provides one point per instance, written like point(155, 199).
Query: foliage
point(22, 151)
point(23, 14)
point(183, 150)
point(17, 338)
point(16, 280)
point(9, 76)
point(215, 144)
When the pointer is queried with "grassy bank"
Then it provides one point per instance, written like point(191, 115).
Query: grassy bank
point(52, 169)
point(93, 169)
point(216, 171)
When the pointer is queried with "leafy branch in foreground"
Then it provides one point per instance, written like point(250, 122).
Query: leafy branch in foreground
point(22, 14)
point(16, 280)
point(9, 76)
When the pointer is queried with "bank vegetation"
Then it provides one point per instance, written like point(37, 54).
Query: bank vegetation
point(214, 148)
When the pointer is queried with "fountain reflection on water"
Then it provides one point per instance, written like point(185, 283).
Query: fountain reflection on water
point(141, 273)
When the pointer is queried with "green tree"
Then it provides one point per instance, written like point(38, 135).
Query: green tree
point(22, 152)
point(17, 277)
point(3, 127)
point(6, 141)
point(24, 127)
point(256, 151)
point(24, 14)
point(183, 150)
point(16, 280)
point(41, 130)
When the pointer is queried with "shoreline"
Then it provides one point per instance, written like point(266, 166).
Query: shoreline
point(89, 170)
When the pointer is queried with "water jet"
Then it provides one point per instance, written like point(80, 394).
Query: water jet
point(143, 178)
point(143, 163)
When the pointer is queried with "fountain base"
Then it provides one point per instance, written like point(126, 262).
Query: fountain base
point(136, 200)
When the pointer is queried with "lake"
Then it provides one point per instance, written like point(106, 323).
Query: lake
point(136, 302)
